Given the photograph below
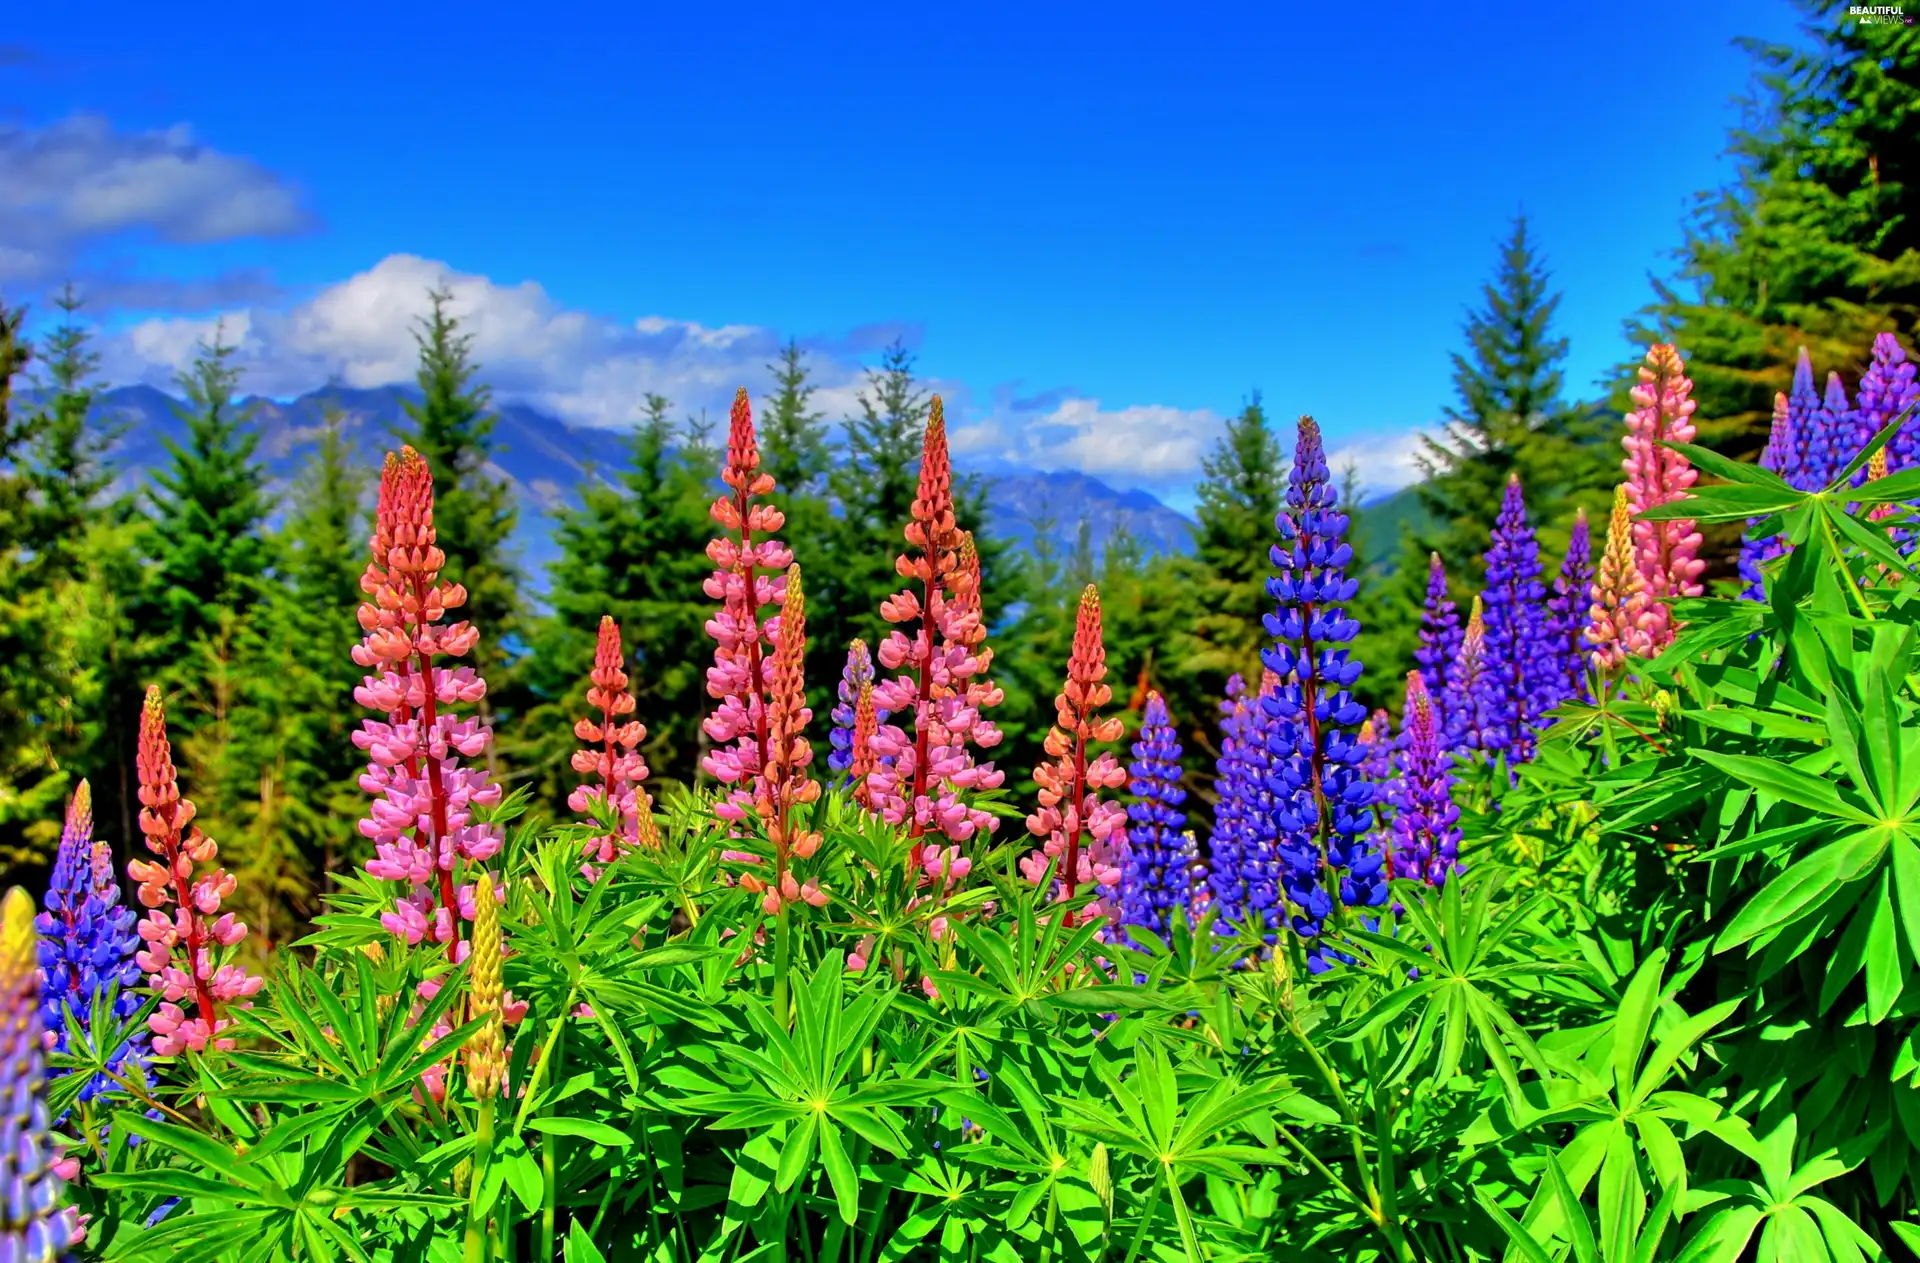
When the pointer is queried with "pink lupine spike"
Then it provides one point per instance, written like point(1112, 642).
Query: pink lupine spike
point(749, 575)
point(612, 753)
point(918, 781)
point(1618, 587)
point(1666, 553)
point(193, 928)
point(1070, 806)
point(421, 768)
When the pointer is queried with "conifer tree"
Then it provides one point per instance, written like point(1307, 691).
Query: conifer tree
point(1239, 497)
point(793, 438)
point(69, 472)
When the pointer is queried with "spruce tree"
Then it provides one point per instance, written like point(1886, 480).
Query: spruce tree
point(1239, 494)
point(793, 438)
point(69, 468)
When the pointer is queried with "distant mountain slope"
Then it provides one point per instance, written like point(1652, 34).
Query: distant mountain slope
point(545, 460)
point(1383, 522)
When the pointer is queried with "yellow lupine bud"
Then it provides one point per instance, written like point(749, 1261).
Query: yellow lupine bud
point(486, 1051)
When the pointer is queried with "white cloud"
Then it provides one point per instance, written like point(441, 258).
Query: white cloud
point(1385, 463)
point(1147, 445)
point(70, 186)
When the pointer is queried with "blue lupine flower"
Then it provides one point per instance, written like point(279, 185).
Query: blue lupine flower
point(1804, 427)
point(1888, 389)
point(1567, 611)
point(1778, 457)
point(1439, 631)
point(1832, 444)
point(1426, 821)
point(1324, 806)
point(858, 671)
point(1520, 657)
point(1242, 866)
point(1472, 712)
point(1159, 865)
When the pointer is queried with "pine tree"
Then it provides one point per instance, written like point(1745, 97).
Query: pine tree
point(1239, 498)
point(474, 510)
point(69, 469)
point(793, 439)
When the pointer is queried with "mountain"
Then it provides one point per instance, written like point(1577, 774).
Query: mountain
point(545, 460)
point(1382, 523)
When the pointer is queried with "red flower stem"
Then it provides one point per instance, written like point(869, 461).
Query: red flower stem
point(923, 714)
point(196, 932)
point(1076, 805)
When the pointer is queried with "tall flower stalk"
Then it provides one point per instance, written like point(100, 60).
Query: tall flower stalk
point(1831, 446)
point(855, 678)
point(1472, 712)
point(1324, 804)
point(486, 1051)
point(421, 821)
point(1439, 630)
point(611, 755)
point(34, 1228)
point(1240, 873)
point(1611, 631)
point(1084, 835)
point(1887, 389)
point(786, 784)
point(1426, 829)
point(1666, 553)
point(749, 575)
point(1567, 612)
point(181, 945)
point(87, 942)
point(1522, 659)
point(1159, 866)
point(918, 780)
point(1756, 551)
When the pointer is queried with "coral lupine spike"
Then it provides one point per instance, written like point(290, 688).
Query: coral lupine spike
point(1472, 712)
point(855, 676)
point(612, 753)
point(1159, 864)
point(1439, 630)
point(917, 780)
point(486, 1051)
point(420, 769)
point(866, 721)
point(1522, 661)
point(1324, 806)
point(1567, 612)
point(33, 1229)
point(1876, 470)
point(1611, 631)
point(749, 575)
point(786, 784)
point(1665, 552)
point(1426, 820)
point(1084, 836)
point(166, 820)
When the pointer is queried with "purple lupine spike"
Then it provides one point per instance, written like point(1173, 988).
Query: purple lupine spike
point(1376, 764)
point(1567, 614)
point(87, 942)
point(1228, 839)
point(1324, 805)
point(858, 672)
point(1778, 457)
point(1472, 713)
point(33, 1226)
point(1426, 821)
point(1439, 630)
point(1831, 445)
point(1520, 658)
point(1803, 406)
point(1159, 865)
point(1888, 389)
point(1241, 865)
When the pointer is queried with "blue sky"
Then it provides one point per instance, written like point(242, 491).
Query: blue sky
point(1099, 225)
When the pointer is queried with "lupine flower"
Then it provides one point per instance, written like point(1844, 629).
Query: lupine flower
point(1159, 867)
point(866, 721)
point(1376, 734)
point(749, 575)
point(856, 676)
point(1232, 785)
point(1665, 552)
point(87, 941)
point(192, 929)
point(1567, 611)
point(1522, 661)
point(1323, 803)
point(1778, 457)
point(612, 753)
point(1616, 590)
point(1803, 405)
point(786, 784)
point(421, 819)
point(1426, 831)
point(1439, 630)
point(486, 1051)
point(917, 781)
point(33, 1228)
point(1472, 713)
point(1831, 446)
point(1887, 389)
point(1085, 835)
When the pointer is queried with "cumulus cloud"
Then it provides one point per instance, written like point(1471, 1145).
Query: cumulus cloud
point(1384, 463)
point(1140, 445)
point(71, 187)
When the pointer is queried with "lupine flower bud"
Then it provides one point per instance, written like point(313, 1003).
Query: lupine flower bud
point(1616, 588)
point(611, 753)
point(487, 1050)
point(1439, 630)
point(1523, 664)
point(1665, 552)
point(1830, 448)
point(1324, 806)
point(87, 942)
point(854, 678)
point(866, 722)
point(1567, 613)
point(33, 1229)
point(1473, 712)
point(1085, 837)
point(1755, 552)
point(749, 575)
point(1887, 389)
point(786, 784)
point(1159, 866)
point(918, 781)
point(424, 790)
point(166, 820)
point(1426, 833)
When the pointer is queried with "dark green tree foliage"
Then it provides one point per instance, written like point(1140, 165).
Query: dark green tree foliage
point(474, 510)
point(69, 472)
point(793, 437)
point(1239, 496)
point(1815, 241)
point(635, 549)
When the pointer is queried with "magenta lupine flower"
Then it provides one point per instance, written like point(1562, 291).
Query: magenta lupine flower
point(34, 1228)
point(749, 575)
point(1567, 611)
point(918, 780)
point(612, 755)
point(192, 929)
point(1085, 836)
point(1426, 831)
point(424, 793)
point(1666, 553)
point(1439, 631)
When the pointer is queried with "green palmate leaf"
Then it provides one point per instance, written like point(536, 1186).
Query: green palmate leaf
point(1787, 783)
point(1804, 888)
point(1739, 472)
point(1725, 504)
point(586, 1129)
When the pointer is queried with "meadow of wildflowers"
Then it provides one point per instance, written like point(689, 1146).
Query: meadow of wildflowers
point(1599, 949)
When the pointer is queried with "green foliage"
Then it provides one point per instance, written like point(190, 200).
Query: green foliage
point(1239, 495)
